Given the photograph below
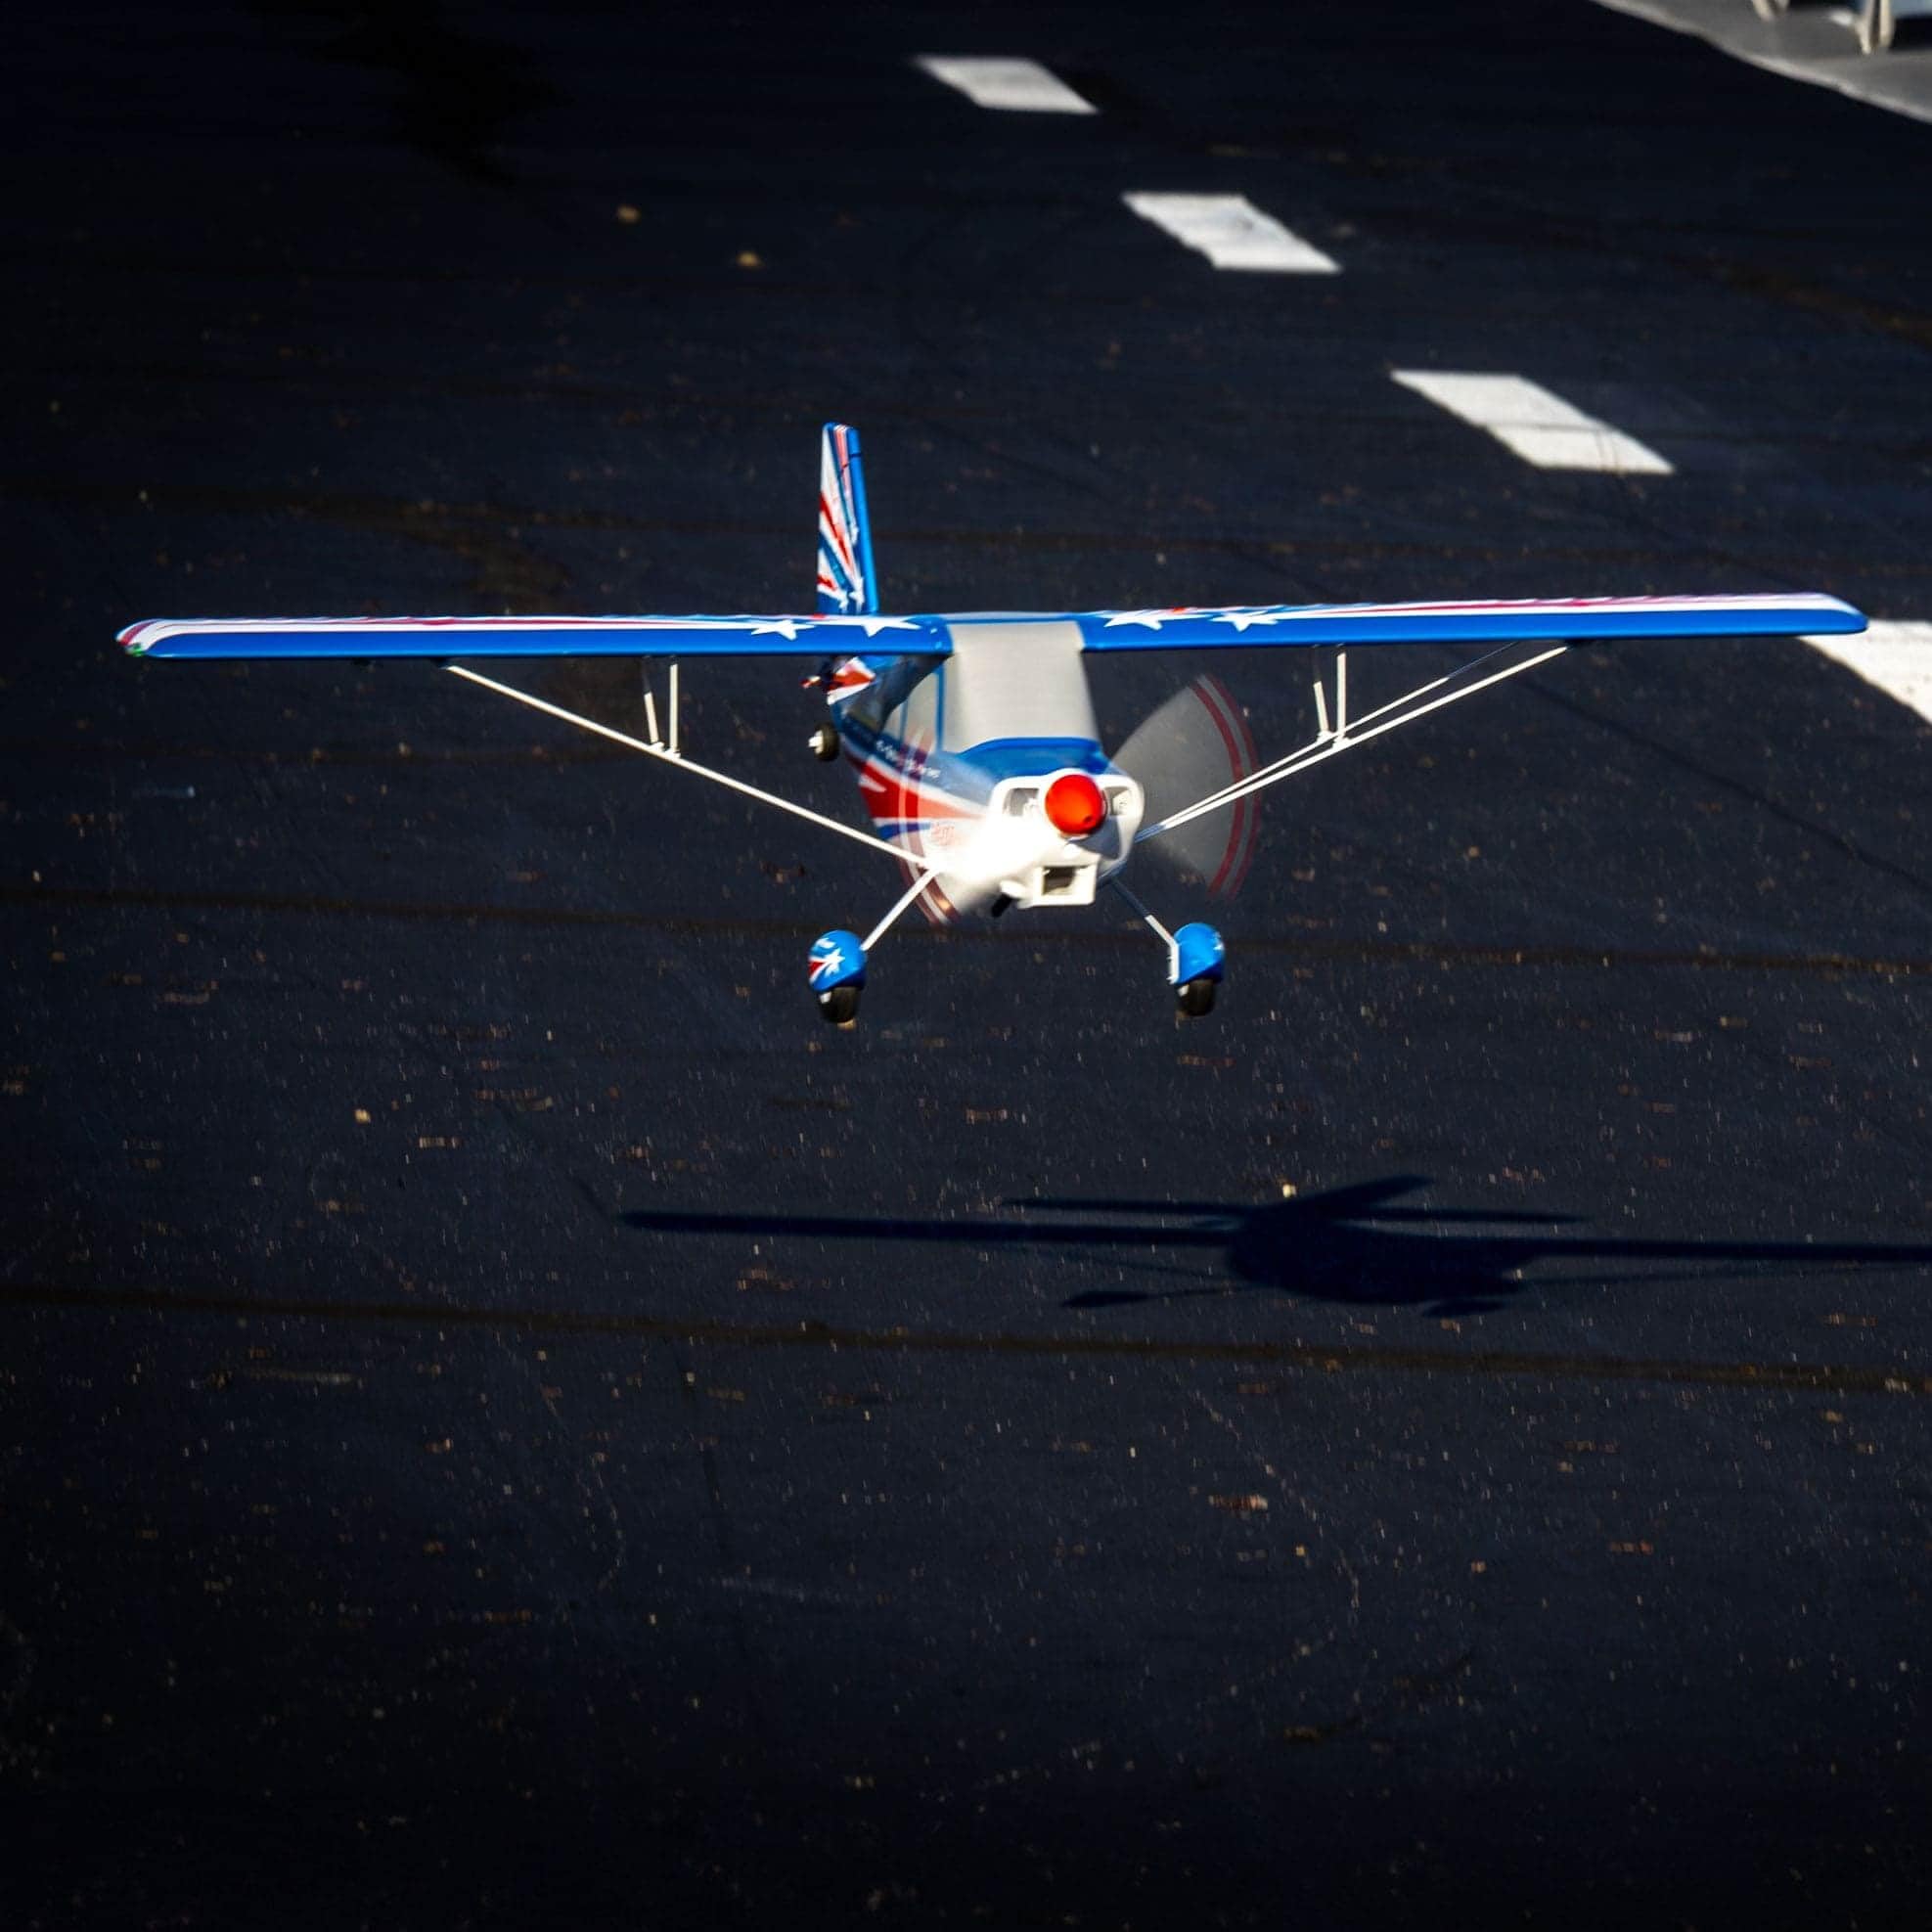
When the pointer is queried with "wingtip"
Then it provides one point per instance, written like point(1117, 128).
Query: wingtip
point(1844, 620)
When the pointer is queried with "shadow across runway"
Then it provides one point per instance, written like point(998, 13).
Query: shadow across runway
point(1347, 1245)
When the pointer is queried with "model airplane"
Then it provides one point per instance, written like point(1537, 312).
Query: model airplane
point(974, 734)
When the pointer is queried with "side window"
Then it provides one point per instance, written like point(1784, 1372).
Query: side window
point(919, 716)
point(864, 707)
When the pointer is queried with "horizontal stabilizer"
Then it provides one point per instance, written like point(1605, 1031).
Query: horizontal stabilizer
point(1569, 620)
point(443, 638)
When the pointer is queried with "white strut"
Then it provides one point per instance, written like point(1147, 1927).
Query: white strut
point(1455, 685)
point(650, 708)
point(904, 900)
point(670, 757)
point(1161, 933)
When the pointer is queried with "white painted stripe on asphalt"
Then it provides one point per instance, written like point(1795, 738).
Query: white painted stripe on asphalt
point(1538, 426)
point(1004, 80)
point(1896, 658)
point(1232, 232)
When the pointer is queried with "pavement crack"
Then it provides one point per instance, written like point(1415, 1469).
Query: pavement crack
point(586, 1472)
point(1292, 1495)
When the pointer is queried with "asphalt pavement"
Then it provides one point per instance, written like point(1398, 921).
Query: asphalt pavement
point(508, 1420)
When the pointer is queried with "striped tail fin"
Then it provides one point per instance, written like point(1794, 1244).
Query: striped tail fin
point(846, 587)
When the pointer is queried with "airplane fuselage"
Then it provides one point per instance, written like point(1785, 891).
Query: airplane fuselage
point(955, 757)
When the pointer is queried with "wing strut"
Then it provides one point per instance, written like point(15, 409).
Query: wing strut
point(670, 755)
point(1345, 732)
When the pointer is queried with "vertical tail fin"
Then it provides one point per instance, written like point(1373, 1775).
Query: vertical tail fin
point(846, 587)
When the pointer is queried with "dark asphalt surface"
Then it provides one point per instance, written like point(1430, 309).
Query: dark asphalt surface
point(508, 1421)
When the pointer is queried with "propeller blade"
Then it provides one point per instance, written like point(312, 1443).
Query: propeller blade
point(1193, 745)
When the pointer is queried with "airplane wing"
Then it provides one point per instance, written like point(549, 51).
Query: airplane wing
point(1565, 620)
point(442, 638)
point(1553, 621)
point(1519, 636)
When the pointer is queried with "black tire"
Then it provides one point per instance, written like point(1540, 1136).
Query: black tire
point(839, 1006)
point(1197, 998)
point(824, 745)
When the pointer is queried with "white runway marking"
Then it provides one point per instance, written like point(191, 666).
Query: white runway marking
point(1896, 658)
point(1009, 81)
point(1540, 428)
point(1232, 232)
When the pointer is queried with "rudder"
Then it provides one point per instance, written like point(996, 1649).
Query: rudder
point(846, 587)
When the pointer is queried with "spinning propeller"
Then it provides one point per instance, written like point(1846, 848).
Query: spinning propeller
point(1190, 747)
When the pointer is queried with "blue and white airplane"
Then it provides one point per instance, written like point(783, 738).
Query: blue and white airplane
point(973, 734)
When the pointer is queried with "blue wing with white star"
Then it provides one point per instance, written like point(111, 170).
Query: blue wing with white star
point(1522, 621)
point(1568, 621)
point(442, 638)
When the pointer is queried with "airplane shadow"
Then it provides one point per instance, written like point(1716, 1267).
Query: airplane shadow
point(1348, 1244)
